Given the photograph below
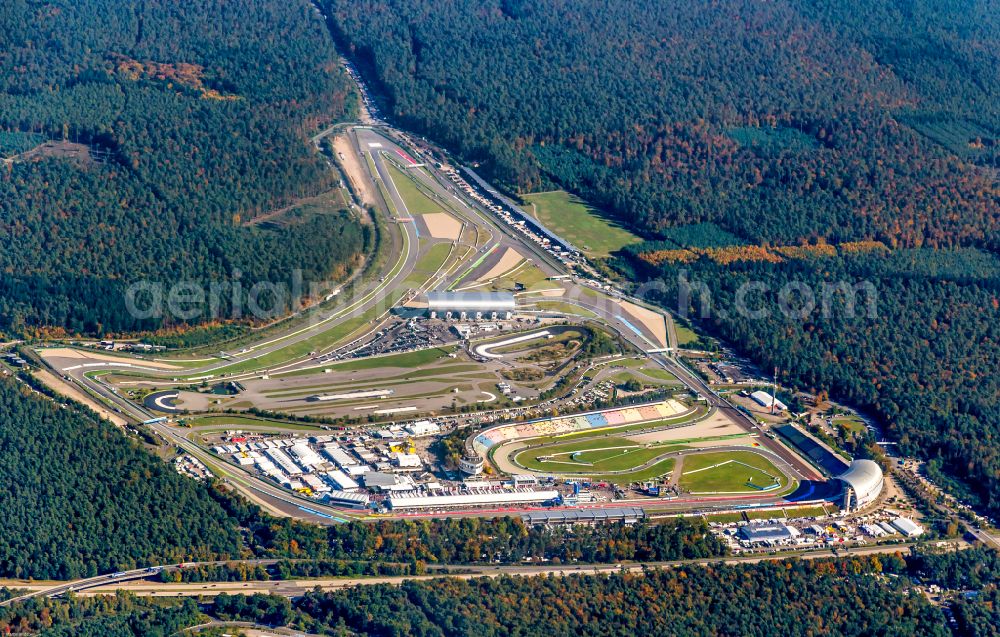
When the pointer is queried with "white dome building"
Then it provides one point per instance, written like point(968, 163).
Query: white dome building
point(862, 482)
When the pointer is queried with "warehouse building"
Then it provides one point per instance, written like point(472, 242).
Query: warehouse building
point(405, 461)
point(471, 305)
point(765, 399)
point(285, 463)
point(907, 527)
point(338, 456)
point(768, 534)
point(862, 483)
point(342, 481)
point(305, 455)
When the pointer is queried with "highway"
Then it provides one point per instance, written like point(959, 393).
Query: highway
point(133, 581)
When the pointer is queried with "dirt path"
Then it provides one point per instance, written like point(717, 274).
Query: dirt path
point(318, 199)
point(351, 164)
point(675, 475)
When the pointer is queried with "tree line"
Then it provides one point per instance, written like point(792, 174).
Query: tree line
point(855, 595)
point(192, 119)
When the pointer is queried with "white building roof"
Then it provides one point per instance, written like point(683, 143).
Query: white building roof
point(411, 501)
point(422, 428)
point(907, 527)
point(406, 460)
point(765, 399)
point(865, 478)
point(281, 459)
point(342, 481)
point(471, 301)
point(351, 497)
point(340, 457)
point(305, 455)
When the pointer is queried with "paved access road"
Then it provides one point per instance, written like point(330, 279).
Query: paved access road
point(133, 583)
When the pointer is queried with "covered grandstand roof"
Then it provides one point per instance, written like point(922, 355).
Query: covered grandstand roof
point(864, 476)
point(517, 496)
point(585, 516)
point(822, 457)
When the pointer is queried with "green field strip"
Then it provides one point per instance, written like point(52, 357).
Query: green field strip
point(417, 203)
point(579, 223)
point(728, 472)
point(367, 384)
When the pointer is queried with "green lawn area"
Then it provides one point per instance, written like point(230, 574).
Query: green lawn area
point(685, 335)
point(625, 376)
point(806, 512)
point(729, 472)
point(592, 456)
point(662, 468)
point(530, 276)
point(723, 518)
point(565, 308)
point(228, 421)
point(429, 262)
point(580, 223)
point(541, 341)
point(407, 360)
point(772, 514)
point(852, 424)
point(441, 370)
point(659, 374)
point(417, 203)
point(297, 350)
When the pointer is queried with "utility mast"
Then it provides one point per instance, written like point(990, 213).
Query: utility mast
point(774, 389)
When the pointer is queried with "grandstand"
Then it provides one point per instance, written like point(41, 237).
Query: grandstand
point(616, 417)
point(819, 455)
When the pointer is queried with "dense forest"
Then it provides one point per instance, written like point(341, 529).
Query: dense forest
point(79, 498)
point(829, 597)
point(164, 128)
point(862, 595)
point(745, 140)
point(780, 120)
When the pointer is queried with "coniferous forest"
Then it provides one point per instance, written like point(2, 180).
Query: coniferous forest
point(138, 140)
point(801, 142)
point(865, 595)
point(79, 498)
